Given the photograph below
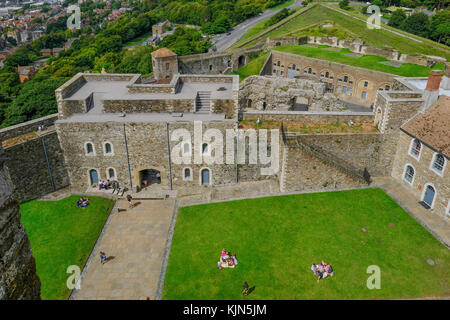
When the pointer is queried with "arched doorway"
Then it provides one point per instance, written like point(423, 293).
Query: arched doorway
point(205, 177)
point(149, 177)
point(428, 197)
point(241, 61)
point(93, 176)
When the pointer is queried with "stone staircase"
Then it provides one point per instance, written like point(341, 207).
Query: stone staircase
point(203, 102)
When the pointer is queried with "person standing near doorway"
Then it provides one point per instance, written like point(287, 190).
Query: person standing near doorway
point(130, 201)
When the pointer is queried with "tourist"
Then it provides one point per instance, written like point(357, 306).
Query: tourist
point(328, 269)
point(223, 254)
point(102, 257)
point(233, 256)
point(317, 271)
point(245, 292)
point(130, 201)
point(107, 184)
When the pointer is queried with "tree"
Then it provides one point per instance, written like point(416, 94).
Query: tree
point(343, 4)
point(37, 99)
point(439, 26)
point(418, 24)
point(397, 18)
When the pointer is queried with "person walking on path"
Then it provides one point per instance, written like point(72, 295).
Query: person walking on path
point(245, 292)
point(102, 257)
point(130, 201)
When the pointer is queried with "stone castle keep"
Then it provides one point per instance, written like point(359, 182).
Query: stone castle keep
point(120, 127)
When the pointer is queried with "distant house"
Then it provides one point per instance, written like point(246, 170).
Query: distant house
point(46, 52)
point(56, 51)
point(25, 73)
point(160, 28)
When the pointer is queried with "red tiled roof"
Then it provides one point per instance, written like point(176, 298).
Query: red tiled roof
point(162, 53)
point(433, 126)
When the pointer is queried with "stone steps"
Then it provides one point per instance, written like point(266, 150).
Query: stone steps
point(203, 102)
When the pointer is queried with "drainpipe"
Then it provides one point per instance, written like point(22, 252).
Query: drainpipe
point(128, 159)
point(237, 153)
point(48, 165)
point(168, 153)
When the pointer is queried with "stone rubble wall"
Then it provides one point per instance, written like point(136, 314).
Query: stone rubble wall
point(280, 93)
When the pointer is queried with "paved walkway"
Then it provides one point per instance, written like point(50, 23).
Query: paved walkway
point(136, 240)
point(435, 224)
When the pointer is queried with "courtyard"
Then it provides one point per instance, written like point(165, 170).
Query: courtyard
point(276, 239)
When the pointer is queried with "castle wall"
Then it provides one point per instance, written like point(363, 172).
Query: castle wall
point(18, 279)
point(29, 170)
point(26, 127)
point(213, 63)
point(288, 65)
point(423, 174)
point(307, 116)
point(304, 172)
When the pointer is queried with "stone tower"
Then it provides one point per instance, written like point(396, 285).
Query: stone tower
point(18, 279)
point(165, 64)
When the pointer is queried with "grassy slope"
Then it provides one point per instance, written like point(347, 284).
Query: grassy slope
point(138, 39)
point(367, 61)
point(277, 239)
point(376, 38)
point(62, 235)
point(283, 5)
point(252, 68)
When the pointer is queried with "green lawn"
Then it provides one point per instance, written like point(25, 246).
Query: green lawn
point(283, 5)
point(276, 239)
point(138, 39)
point(367, 61)
point(61, 234)
point(375, 37)
point(252, 68)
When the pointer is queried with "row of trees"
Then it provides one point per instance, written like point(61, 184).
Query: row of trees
point(436, 28)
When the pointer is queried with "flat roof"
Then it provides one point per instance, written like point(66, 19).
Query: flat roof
point(421, 84)
point(117, 90)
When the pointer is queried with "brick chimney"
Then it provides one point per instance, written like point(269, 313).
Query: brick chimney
point(431, 92)
point(446, 79)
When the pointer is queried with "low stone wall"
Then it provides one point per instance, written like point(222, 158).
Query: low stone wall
point(30, 173)
point(306, 116)
point(130, 106)
point(228, 107)
point(26, 127)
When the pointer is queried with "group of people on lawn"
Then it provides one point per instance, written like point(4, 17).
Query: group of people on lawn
point(82, 202)
point(227, 260)
point(322, 270)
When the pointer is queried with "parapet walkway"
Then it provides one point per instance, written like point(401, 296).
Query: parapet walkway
point(436, 225)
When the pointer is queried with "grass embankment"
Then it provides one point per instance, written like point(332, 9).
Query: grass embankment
point(253, 67)
point(276, 239)
point(61, 234)
point(373, 37)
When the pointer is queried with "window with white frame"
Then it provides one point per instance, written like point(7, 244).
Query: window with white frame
point(89, 148)
point(108, 149)
point(364, 95)
point(408, 176)
point(187, 174)
point(111, 173)
point(438, 163)
point(416, 146)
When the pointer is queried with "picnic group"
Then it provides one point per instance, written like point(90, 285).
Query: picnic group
point(322, 270)
point(227, 260)
point(82, 202)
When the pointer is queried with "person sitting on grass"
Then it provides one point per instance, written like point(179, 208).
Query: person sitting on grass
point(317, 271)
point(79, 203)
point(233, 256)
point(328, 269)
